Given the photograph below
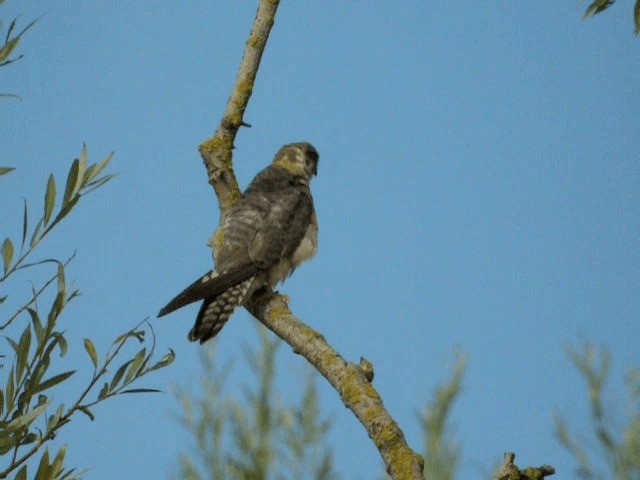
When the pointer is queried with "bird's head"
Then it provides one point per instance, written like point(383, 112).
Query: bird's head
point(299, 158)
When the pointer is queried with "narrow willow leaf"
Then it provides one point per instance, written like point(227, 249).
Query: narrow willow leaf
point(135, 364)
point(598, 6)
point(164, 361)
point(97, 168)
point(104, 391)
point(26, 419)
point(7, 253)
point(5, 170)
point(51, 382)
point(141, 390)
point(43, 472)
point(62, 343)
point(91, 350)
point(87, 412)
point(72, 181)
point(25, 225)
point(66, 208)
point(636, 16)
point(49, 198)
point(29, 438)
point(58, 461)
point(23, 353)
point(35, 236)
point(11, 390)
point(82, 166)
point(13, 344)
point(55, 418)
point(1, 402)
point(8, 47)
point(119, 373)
point(40, 369)
point(97, 183)
point(61, 279)
point(22, 474)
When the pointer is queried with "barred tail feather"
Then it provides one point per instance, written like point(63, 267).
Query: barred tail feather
point(209, 286)
point(216, 310)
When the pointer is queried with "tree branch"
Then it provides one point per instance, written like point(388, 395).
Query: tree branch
point(353, 382)
point(216, 151)
point(509, 471)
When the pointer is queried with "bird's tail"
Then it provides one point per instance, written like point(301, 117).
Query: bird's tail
point(216, 310)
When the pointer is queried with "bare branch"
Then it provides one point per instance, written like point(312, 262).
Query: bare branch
point(353, 383)
point(509, 471)
point(216, 151)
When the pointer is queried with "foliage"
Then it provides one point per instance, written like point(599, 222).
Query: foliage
point(441, 453)
point(29, 417)
point(619, 447)
point(11, 41)
point(599, 6)
point(258, 438)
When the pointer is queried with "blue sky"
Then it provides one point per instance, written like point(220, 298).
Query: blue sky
point(477, 188)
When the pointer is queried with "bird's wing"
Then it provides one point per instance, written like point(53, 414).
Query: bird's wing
point(282, 230)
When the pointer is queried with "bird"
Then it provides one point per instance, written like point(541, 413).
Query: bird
point(265, 235)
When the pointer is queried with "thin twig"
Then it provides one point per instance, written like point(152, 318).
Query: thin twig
point(35, 295)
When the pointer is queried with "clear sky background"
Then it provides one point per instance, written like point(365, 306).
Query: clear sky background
point(478, 188)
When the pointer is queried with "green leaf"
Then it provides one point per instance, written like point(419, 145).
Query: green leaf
point(164, 361)
point(104, 391)
point(55, 418)
point(35, 236)
point(25, 225)
point(97, 168)
point(49, 198)
point(66, 208)
point(598, 6)
point(87, 412)
point(141, 390)
point(82, 166)
point(72, 182)
point(119, 373)
point(10, 389)
point(135, 365)
point(636, 17)
point(62, 343)
point(58, 461)
point(23, 353)
point(61, 279)
point(5, 170)
point(91, 350)
point(51, 382)
point(7, 253)
point(22, 474)
point(13, 344)
point(97, 183)
point(43, 472)
point(37, 324)
point(8, 47)
point(26, 419)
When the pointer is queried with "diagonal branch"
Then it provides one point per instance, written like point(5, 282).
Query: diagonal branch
point(216, 151)
point(353, 382)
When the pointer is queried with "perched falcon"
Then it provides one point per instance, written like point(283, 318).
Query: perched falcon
point(262, 238)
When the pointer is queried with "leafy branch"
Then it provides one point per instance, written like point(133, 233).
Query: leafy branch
point(25, 425)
